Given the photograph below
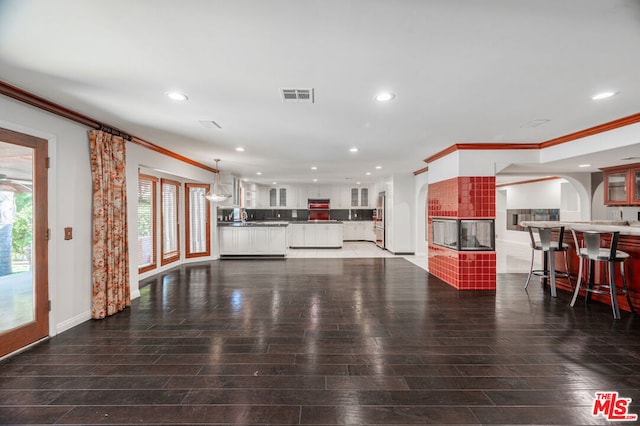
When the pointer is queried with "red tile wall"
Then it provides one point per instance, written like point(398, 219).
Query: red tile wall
point(464, 197)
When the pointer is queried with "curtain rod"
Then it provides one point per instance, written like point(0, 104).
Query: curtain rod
point(115, 132)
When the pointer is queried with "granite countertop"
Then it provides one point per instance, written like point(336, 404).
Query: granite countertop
point(251, 224)
point(625, 228)
point(326, 222)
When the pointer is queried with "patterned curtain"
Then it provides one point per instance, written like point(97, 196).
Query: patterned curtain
point(111, 291)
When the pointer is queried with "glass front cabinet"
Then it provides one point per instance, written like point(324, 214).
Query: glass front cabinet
point(464, 234)
point(622, 185)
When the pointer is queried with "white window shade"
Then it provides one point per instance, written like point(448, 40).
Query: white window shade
point(146, 222)
point(170, 235)
point(198, 220)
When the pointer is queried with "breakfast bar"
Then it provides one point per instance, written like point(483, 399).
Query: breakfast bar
point(629, 242)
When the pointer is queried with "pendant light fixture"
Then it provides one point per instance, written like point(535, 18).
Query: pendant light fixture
point(217, 194)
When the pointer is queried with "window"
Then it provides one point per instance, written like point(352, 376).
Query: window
point(197, 212)
point(354, 197)
point(283, 197)
point(364, 197)
point(170, 236)
point(146, 223)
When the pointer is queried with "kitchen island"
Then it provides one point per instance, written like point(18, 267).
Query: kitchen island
point(316, 234)
point(253, 239)
point(629, 242)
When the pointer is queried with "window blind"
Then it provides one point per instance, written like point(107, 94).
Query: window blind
point(198, 213)
point(170, 236)
point(146, 222)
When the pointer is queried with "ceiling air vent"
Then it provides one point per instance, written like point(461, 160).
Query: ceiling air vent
point(535, 123)
point(210, 124)
point(301, 96)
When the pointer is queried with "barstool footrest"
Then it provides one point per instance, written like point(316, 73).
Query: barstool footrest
point(545, 274)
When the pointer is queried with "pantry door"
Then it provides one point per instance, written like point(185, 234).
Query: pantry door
point(24, 306)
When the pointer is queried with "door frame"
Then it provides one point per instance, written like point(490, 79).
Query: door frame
point(38, 329)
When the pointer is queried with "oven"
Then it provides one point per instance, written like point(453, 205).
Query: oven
point(318, 208)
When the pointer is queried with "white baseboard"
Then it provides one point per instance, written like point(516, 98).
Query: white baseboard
point(72, 322)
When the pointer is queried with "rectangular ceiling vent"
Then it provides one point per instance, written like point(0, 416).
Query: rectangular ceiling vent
point(535, 123)
point(301, 96)
point(210, 124)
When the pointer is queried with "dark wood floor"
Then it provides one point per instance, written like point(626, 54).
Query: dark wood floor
point(328, 341)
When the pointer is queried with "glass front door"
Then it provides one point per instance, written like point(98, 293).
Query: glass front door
point(23, 241)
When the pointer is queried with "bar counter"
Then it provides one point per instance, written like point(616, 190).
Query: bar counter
point(629, 242)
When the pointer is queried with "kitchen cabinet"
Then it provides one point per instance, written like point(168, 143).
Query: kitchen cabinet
point(368, 231)
point(249, 195)
point(295, 197)
point(252, 240)
point(359, 231)
point(278, 197)
point(359, 197)
point(622, 185)
point(316, 235)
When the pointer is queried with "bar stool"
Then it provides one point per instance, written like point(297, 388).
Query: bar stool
point(588, 248)
point(548, 247)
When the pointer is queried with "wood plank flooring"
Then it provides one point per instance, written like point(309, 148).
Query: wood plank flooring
point(328, 341)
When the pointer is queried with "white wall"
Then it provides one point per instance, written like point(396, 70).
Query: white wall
point(421, 186)
point(70, 200)
point(402, 201)
point(598, 209)
point(549, 194)
point(536, 195)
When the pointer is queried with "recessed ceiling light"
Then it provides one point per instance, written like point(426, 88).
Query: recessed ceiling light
point(603, 95)
point(368, 173)
point(314, 168)
point(584, 165)
point(177, 96)
point(384, 96)
point(357, 183)
point(378, 167)
point(354, 150)
point(258, 173)
point(240, 149)
point(315, 180)
point(275, 183)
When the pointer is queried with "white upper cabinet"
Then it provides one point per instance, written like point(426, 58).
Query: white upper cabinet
point(281, 197)
point(296, 197)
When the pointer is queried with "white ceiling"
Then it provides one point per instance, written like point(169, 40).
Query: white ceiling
point(462, 71)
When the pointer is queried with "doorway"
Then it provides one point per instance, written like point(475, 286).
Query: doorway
point(24, 310)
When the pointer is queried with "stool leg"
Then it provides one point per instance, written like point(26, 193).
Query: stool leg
point(533, 252)
point(577, 291)
point(613, 291)
point(566, 268)
point(552, 272)
point(591, 280)
point(624, 286)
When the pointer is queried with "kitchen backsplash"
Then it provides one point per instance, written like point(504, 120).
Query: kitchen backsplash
point(291, 215)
